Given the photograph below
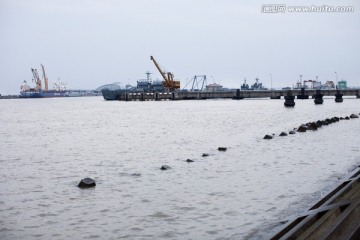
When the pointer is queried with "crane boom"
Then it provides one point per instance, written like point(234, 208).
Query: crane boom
point(34, 74)
point(37, 79)
point(169, 81)
point(45, 78)
point(158, 67)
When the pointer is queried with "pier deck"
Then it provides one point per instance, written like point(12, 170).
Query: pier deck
point(232, 94)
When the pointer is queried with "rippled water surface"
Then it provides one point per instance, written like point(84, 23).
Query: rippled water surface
point(48, 145)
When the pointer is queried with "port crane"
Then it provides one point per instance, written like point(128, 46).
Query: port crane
point(169, 81)
point(36, 79)
point(46, 81)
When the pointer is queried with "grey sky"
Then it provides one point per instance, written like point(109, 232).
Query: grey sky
point(88, 43)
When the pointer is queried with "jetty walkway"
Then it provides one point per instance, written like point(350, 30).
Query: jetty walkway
point(232, 94)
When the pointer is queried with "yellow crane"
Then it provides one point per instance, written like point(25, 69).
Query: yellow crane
point(169, 81)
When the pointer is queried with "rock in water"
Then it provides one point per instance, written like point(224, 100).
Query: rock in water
point(319, 123)
point(302, 128)
point(267, 136)
point(312, 126)
point(282, 134)
point(86, 183)
point(165, 167)
point(222, 149)
point(189, 160)
point(354, 116)
point(292, 132)
point(205, 155)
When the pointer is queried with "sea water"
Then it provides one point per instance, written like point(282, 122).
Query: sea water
point(247, 192)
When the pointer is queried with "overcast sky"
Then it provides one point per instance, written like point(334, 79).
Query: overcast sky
point(88, 43)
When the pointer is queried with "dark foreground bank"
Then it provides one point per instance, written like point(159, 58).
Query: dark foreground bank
point(336, 216)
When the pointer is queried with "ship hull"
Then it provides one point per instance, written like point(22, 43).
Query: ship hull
point(110, 95)
point(43, 94)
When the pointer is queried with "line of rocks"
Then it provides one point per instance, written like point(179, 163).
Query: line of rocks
point(313, 126)
point(220, 149)
point(89, 182)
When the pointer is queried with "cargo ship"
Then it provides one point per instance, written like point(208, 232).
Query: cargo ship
point(112, 91)
point(145, 85)
point(59, 89)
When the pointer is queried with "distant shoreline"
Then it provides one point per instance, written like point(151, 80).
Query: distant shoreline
point(9, 96)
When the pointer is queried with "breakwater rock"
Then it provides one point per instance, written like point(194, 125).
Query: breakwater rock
point(87, 183)
point(313, 126)
point(165, 167)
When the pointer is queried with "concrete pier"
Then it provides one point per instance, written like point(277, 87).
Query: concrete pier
point(336, 216)
point(231, 94)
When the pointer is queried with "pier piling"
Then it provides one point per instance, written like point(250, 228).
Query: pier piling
point(302, 94)
point(289, 99)
point(338, 96)
point(318, 97)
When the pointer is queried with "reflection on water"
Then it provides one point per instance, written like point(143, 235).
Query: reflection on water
point(48, 145)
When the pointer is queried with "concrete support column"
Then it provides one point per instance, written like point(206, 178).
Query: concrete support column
point(338, 96)
point(318, 97)
point(302, 94)
point(289, 99)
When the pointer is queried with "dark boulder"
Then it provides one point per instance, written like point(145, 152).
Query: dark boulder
point(312, 126)
point(268, 136)
point(336, 119)
point(347, 118)
point(165, 167)
point(282, 134)
point(341, 118)
point(222, 149)
point(302, 128)
point(324, 123)
point(86, 183)
point(329, 121)
point(189, 160)
point(354, 116)
point(205, 155)
point(292, 132)
point(319, 123)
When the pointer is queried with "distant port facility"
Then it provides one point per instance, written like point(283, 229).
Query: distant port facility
point(169, 89)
